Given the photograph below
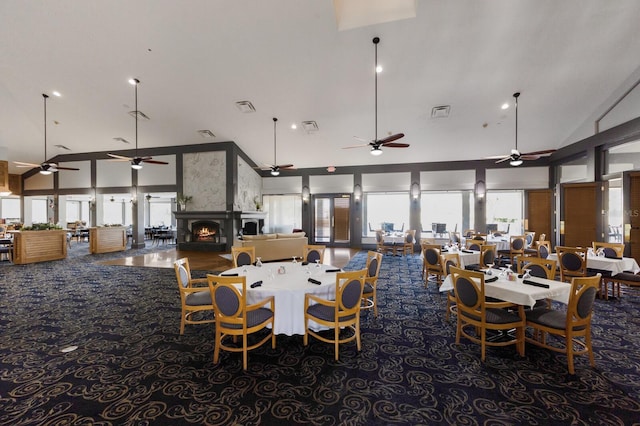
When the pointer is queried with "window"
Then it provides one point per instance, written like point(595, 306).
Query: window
point(623, 157)
point(284, 213)
point(505, 209)
point(386, 208)
point(451, 208)
point(39, 210)
point(73, 211)
point(160, 213)
point(614, 214)
point(116, 209)
point(10, 209)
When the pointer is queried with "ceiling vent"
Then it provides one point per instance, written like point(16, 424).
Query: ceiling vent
point(123, 140)
point(310, 126)
point(62, 147)
point(206, 134)
point(245, 107)
point(441, 111)
point(141, 115)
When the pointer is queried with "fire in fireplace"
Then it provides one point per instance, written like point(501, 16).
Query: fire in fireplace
point(205, 231)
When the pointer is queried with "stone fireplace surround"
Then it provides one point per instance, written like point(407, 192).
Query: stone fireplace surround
point(230, 222)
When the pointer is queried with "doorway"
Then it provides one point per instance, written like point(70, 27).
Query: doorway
point(331, 224)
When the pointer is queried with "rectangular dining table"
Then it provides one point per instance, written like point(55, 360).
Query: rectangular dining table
point(613, 265)
point(518, 292)
point(288, 289)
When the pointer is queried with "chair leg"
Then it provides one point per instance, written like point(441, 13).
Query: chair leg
point(216, 350)
point(244, 352)
point(336, 345)
point(569, 343)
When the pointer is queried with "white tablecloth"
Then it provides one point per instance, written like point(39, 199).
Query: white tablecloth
point(501, 243)
point(466, 259)
point(614, 266)
point(519, 293)
point(288, 290)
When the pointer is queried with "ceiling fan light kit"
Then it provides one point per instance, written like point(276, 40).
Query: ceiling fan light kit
point(136, 161)
point(516, 158)
point(377, 144)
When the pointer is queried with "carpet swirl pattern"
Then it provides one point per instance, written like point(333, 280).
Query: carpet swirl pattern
point(132, 367)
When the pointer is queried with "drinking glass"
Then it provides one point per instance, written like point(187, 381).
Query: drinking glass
point(295, 259)
point(259, 263)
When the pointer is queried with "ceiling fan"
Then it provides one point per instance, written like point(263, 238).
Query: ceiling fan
point(136, 161)
point(376, 144)
point(46, 168)
point(516, 157)
point(275, 167)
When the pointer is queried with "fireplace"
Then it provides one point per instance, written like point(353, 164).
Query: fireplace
point(205, 231)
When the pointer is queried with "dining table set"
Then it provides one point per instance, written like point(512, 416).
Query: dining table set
point(288, 283)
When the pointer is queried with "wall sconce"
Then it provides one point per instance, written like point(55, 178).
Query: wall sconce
point(357, 192)
point(305, 194)
point(481, 189)
point(415, 191)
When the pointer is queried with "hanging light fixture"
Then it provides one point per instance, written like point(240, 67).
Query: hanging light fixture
point(515, 154)
point(136, 162)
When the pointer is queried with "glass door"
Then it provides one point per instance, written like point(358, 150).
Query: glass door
point(331, 225)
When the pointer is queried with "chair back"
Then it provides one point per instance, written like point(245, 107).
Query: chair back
point(517, 244)
point(243, 256)
point(474, 244)
point(228, 301)
point(480, 237)
point(454, 237)
point(537, 266)
point(581, 301)
point(374, 261)
point(183, 272)
point(611, 250)
point(487, 255)
point(349, 287)
point(431, 254)
point(529, 238)
point(544, 247)
point(572, 262)
point(409, 237)
point(313, 252)
point(469, 290)
point(450, 260)
point(469, 233)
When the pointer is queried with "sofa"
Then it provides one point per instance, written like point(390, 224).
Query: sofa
point(275, 246)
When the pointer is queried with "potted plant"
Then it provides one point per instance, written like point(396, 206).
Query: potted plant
point(257, 202)
point(183, 200)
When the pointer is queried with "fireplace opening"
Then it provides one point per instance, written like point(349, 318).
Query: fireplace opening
point(205, 231)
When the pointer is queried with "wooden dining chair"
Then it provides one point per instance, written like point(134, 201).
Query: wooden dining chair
point(341, 313)
point(243, 256)
point(194, 300)
point(573, 324)
point(611, 250)
point(370, 291)
point(409, 241)
point(313, 252)
point(431, 264)
point(543, 248)
point(234, 318)
point(382, 246)
point(516, 248)
point(450, 260)
point(572, 262)
point(476, 315)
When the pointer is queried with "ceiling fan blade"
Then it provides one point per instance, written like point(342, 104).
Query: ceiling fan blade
point(54, 168)
point(150, 161)
point(285, 166)
point(529, 157)
point(21, 164)
point(395, 145)
point(120, 157)
point(503, 159)
point(358, 146)
point(543, 152)
point(391, 138)
point(360, 139)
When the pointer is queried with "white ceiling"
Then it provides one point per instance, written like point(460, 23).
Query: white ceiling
point(195, 59)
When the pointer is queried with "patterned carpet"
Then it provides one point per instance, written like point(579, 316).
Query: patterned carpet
point(133, 368)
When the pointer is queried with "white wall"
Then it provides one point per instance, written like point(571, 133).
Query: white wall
point(331, 184)
point(158, 174)
point(447, 180)
point(380, 182)
point(517, 178)
point(75, 179)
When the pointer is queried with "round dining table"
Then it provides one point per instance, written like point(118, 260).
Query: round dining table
point(288, 283)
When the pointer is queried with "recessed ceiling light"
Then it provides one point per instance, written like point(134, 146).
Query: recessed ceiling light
point(56, 93)
point(505, 105)
point(206, 134)
point(379, 69)
point(294, 126)
point(245, 106)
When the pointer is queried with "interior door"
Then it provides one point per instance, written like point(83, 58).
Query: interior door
point(539, 212)
point(632, 217)
point(331, 219)
point(579, 214)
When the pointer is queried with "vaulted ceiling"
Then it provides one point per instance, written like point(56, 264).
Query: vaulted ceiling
point(311, 61)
